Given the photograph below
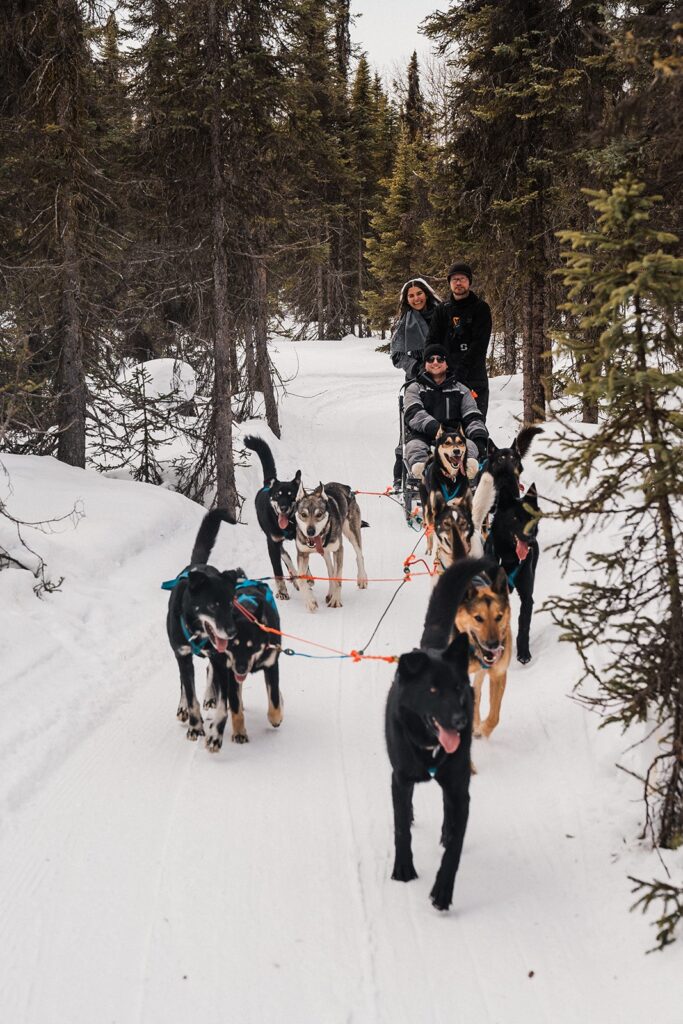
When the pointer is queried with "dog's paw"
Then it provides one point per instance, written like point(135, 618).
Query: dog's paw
point(240, 737)
point(441, 901)
point(209, 702)
point(182, 714)
point(485, 730)
point(312, 605)
point(195, 731)
point(524, 657)
point(282, 595)
point(275, 717)
point(333, 600)
point(214, 742)
point(404, 872)
point(362, 583)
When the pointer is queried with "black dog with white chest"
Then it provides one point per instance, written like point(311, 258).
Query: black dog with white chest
point(217, 615)
point(512, 539)
point(275, 504)
point(428, 729)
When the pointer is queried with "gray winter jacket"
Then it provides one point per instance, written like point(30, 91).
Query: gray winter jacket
point(428, 405)
point(408, 342)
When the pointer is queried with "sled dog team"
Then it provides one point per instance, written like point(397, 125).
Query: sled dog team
point(433, 705)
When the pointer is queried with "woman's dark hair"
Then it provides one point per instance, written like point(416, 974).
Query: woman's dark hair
point(403, 304)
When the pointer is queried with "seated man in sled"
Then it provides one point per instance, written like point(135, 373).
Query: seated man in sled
point(433, 399)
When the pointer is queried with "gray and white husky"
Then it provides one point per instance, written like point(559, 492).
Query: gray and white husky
point(323, 517)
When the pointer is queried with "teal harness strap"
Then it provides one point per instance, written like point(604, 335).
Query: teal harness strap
point(260, 585)
point(196, 646)
point(456, 493)
point(513, 575)
point(172, 584)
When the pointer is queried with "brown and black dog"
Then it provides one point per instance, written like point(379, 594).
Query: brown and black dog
point(445, 487)
point(484, 615)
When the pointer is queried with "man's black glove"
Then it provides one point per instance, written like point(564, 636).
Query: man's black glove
point(482, 448)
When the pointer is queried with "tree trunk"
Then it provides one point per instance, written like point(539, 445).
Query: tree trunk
point(509, 341)
point(264, 374)
point(223, 343)
point(539, 348)
point(527, 355)
point(71, 401)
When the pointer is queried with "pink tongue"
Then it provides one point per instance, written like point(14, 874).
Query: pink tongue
point(522, 550)
point(283, 521)
point(318, 545)
point(220, 643)
point(239, 678)
point(449, 739)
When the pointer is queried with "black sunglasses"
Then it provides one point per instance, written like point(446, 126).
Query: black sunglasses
point(435, 359)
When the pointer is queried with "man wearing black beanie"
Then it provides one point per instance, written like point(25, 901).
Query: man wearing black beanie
point(463, 325)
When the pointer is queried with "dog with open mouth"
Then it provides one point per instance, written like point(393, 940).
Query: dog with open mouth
point(513, 536)
point(445, 482)
point(428, 728)
point(275, 503)
point(217, 615)
point(484, 617)
point(324, 517)
point(253, 648)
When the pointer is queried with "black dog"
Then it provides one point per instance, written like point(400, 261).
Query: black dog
point(213, 614)
point(201, 621)
point(429, 729)
point(512, 539)
point(252, 649)
point(275, 504)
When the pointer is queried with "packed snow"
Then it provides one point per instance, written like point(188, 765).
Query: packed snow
point(143, 879)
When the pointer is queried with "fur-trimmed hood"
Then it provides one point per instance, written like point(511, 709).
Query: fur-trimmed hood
point(427, 288)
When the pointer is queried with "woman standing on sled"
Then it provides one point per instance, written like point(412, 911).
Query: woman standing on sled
point(416, 307)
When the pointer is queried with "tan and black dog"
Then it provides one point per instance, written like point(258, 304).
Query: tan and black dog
point(484, 615)
point(323, 518)
point(447, 500)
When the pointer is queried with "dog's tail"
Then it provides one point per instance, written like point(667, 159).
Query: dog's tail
point(258, 445)
point(208, 531)
point(483, 499)
point(363, 523)
point(447, 596)
point(524, 439)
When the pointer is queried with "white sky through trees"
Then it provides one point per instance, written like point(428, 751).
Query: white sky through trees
point(388, 30)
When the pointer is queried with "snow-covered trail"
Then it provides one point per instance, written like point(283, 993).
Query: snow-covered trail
point(145, 880)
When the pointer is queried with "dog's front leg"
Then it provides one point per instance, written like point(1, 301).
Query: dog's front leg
point(402, 798)
point(290, 568)
point(239, 730)
point(353, 536)
point(275, 550)
point(272, 674)
point(497, 681)
point(525, 589)
point(477, 683)
point(456, 813)
point(219, 682)
point(334, 563)
point(302, 562)
point(189, 710)
point(210, 693)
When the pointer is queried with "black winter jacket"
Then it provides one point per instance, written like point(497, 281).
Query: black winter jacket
point(464, 327)
point(428, 405)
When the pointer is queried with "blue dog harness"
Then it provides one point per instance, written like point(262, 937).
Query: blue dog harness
point(197, 645)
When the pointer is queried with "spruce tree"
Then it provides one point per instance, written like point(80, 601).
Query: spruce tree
point(625, 291)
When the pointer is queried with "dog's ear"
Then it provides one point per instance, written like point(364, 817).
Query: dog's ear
point(321, 490)
point(195, 578)
point(301, 493)
point(297, 477)
point(439, 432)
point(458, 651)
point(412, 664)
point(491, 447)
point(231, 576)
point(499, 582)
point(532, 495)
